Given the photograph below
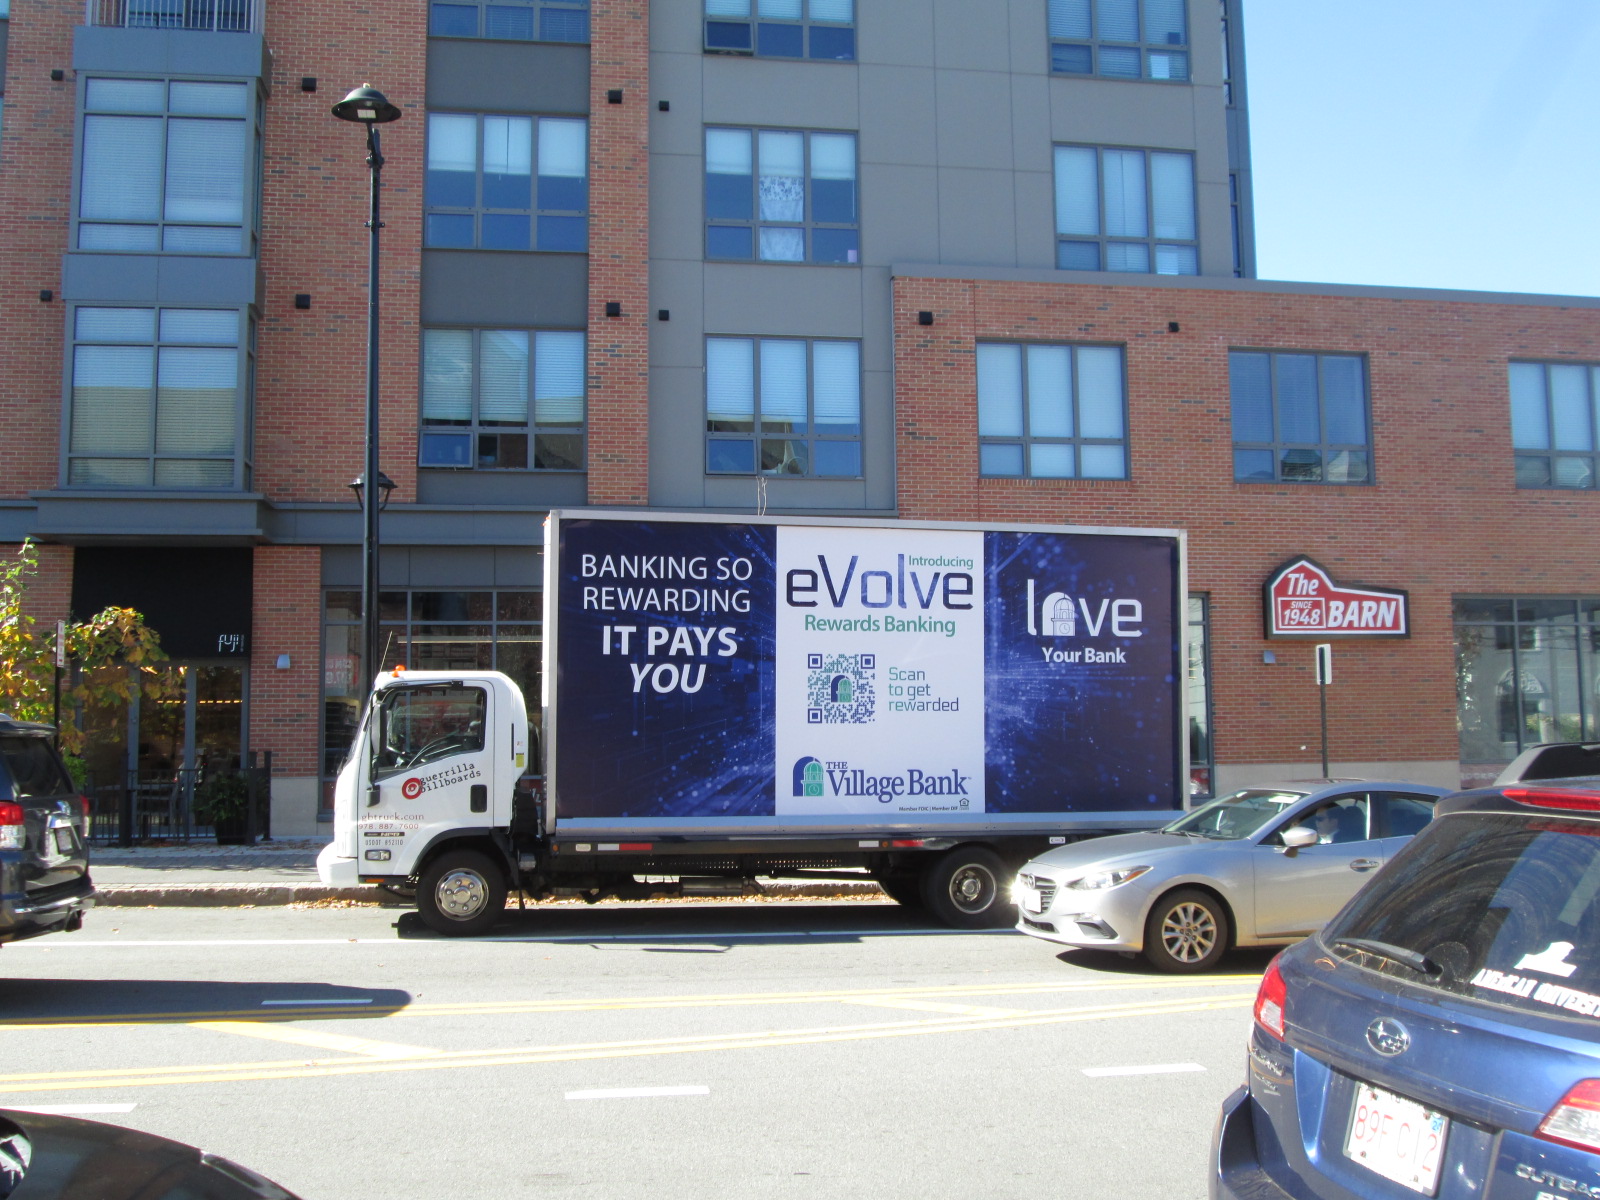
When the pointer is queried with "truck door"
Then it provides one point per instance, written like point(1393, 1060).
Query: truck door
point(428, 771)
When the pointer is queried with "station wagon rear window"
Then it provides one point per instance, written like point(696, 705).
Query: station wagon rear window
point(1494, 907)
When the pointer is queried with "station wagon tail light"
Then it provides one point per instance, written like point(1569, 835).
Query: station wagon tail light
point(1551, 797)
point(83, 809)
point(1575, 1120)
point(13, 834)
point(1271, 999)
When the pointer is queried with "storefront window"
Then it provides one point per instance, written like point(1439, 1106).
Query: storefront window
point(424, 631)
point(1202, 760)
point(1525, 674)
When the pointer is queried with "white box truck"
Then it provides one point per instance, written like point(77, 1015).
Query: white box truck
point(728, 699)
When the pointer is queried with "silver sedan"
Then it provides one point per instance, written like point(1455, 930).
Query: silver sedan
point(1265, 866)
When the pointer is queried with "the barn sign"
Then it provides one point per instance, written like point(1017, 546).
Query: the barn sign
point(1302, 600)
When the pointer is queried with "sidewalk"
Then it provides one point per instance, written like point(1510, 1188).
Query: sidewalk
point(284, 871)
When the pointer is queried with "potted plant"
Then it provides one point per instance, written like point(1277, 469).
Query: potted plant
point(223, 802)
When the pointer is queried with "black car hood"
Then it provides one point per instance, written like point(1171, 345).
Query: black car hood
point(67, 1158)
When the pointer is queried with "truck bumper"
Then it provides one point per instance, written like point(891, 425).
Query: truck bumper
point(335, 871)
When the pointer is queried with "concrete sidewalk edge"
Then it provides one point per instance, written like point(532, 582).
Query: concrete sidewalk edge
point(246, 895)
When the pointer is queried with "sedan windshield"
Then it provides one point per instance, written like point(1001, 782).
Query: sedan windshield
point(1237, 816)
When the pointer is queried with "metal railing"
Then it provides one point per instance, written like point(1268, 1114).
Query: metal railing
point(211, 16)
point(159, 807)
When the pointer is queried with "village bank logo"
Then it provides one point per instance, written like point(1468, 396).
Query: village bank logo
point(815, 778)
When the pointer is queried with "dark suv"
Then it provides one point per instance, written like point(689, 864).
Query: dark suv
point(44, 864)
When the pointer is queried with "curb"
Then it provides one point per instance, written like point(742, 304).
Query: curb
point(252, 895)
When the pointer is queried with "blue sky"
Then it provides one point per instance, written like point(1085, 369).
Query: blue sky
point(1427, 143)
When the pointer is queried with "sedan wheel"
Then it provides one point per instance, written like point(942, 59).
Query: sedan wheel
point(1187, 931)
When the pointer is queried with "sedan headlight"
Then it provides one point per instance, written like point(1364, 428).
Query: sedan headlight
point(1098, 881)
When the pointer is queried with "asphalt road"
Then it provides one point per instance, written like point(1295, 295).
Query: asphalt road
point(820, 1049)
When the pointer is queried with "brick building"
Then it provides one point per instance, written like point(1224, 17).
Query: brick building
point(922, 259)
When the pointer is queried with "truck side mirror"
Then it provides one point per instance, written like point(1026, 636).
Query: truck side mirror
point(372, 795)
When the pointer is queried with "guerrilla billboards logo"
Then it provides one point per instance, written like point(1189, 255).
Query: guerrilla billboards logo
point(1060, 616)
point(815, 779)
point(839, 689)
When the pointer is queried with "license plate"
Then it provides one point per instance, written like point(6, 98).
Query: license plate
point(1032, 901)
point(1397, 1138)
point(66, 839)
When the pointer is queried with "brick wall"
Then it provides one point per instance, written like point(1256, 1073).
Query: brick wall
point(1444, 517)
point(619, 217)
point(311, 377)
point(35, 208)
point(286, 619)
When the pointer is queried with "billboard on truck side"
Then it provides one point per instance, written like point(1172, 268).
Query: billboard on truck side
point(798, 674)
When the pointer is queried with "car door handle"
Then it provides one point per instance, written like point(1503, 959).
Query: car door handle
point(1365, 864)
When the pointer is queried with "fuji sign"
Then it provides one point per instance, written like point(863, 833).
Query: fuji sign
point(1302, 600)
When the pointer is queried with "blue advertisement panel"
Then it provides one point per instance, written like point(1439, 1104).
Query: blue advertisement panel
point(791, 674)
point(664, 669)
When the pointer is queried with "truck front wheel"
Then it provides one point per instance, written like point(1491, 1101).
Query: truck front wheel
point(461, 893)
point(967, 889)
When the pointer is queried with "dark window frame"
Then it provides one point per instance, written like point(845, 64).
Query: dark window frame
point(764, 434)
point(808, 225)
point(752, 34)
point(483, 19)
point(1027, 440)
point(1094, 54)
point(551, 227)
point(1540, 463)
point(1183, 252)
point(1292, 463)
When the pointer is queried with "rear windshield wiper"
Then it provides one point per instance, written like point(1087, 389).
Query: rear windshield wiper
point(1406, 957)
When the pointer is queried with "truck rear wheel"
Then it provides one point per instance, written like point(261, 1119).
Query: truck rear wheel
point(967, 889)
point(461, 893)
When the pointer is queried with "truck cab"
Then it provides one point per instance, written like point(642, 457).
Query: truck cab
point(432, 775)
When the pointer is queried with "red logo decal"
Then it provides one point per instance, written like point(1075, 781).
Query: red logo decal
point(411, 788)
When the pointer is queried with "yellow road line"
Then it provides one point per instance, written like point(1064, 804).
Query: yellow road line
point(711, 1000)
point(242, 1072)
point(964, 1010)
point(277, 1031)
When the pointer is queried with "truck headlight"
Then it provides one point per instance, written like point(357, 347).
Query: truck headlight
point(1100, 880)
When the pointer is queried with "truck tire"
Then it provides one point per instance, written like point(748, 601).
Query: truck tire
point(1186, 931)
point(461, 893)
point(968, 888)
point(904, 890)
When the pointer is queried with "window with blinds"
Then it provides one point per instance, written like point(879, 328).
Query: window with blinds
point(1299, 418)
point(507, 183)
point(1051, 412)
point(783, 406)
point(1125, 210)
point(168, 166)
point(781, 195)
point(818, 29)
point(1555, 424)
point(1120, 39)
point(159, 398)
point(511, 20)
point(503, 399)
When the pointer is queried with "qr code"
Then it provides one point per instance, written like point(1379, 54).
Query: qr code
point(839, 688)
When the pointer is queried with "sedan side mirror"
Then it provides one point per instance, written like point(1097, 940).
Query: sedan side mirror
point(1298, 837)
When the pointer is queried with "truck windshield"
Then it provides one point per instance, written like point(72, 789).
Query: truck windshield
point(1237, 816)
point(419, 725)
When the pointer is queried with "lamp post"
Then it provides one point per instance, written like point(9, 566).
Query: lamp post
point(368, 106)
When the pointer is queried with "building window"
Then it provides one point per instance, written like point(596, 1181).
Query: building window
point(167, 166)
point(1526, 673)
point(502, 399)
point(1051, 412)
point(783, 406)
point(433, 631)
point(507, 183)
point(160, 398)
point(1555, 424)
point(1125, 210)
point(782, 28)
point(1120, 39)
point(1299, 418)
point(1202, 754)
point(511, 20)
point(781, 195)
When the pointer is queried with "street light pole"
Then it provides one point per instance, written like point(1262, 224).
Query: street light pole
point(368, 106)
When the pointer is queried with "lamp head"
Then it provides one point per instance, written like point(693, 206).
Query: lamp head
point(358, 485)
point(366, 106)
